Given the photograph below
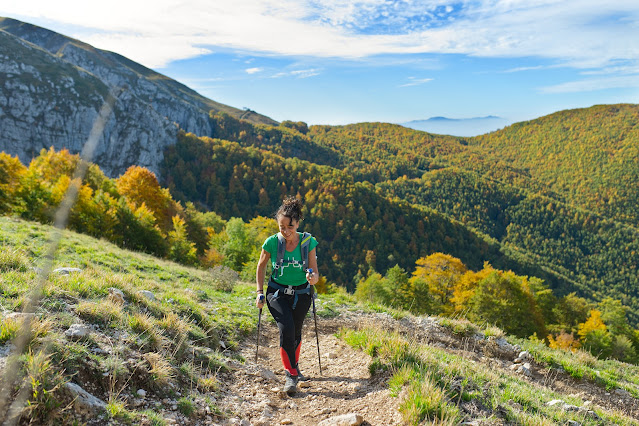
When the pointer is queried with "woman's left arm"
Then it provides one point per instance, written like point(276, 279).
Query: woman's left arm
point(312, 263)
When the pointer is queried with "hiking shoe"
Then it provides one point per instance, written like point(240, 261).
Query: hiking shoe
point(300, 376)
point(290, 385)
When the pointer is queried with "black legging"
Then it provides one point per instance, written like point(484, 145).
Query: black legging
point(290, 322)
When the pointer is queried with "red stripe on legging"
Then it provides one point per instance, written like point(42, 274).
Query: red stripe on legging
point(287, 362)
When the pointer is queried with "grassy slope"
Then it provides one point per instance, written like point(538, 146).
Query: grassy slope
point(171, 346)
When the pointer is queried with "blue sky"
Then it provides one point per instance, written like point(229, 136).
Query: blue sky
point(346, 61)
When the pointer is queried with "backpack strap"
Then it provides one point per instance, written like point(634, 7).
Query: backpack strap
point(279, 258)
point(304, 246)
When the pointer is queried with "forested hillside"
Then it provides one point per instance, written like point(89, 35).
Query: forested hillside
point(358, 227)
point(589, 156)
point(528, 222)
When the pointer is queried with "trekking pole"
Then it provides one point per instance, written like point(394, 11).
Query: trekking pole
point(319, 358)
point(259, 322)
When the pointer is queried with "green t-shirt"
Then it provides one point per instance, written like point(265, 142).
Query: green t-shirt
point(293, 272)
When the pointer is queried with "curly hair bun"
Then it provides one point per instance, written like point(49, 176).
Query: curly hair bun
point(292, 208)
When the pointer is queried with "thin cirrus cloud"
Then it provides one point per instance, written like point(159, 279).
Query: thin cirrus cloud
point(412, 81)
point(593, 84)
point(587, 35)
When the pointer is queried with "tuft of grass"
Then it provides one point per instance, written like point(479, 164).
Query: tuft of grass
point(460, 327)
point(145, 326)
point(494, 331)
point(45, 399)
point(13, 260)
point(425, 400)
point(208, 384)
point(104, 312)
point(155, 419)
point(186, 406)
point(117, 410)
point(8, 330)
point(178, 331)
point(189, 371)
point(160, 369)
point(404, 375)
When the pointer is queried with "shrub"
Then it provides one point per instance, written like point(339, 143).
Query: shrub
point(224, 278)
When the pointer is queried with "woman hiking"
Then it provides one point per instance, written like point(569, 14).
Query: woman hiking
point(288, 295)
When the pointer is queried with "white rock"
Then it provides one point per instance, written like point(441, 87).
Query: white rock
point(525, 355)
point(116, 295)
point(66, 271)
point(141, 392)
point(148, 294)
point(554, 402)
point(351, 419)
point(268, 374)
point(78, 331)
point(84, 402)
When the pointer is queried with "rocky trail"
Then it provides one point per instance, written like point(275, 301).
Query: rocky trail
point(346, 393)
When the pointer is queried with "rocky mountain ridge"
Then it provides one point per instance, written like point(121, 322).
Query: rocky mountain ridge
point(52, 87)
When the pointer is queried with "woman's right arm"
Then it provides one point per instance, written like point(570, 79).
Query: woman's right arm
point(259, 277)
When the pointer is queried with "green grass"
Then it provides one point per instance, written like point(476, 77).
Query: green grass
point(186, 406)
point(582, 365)
point(437, 383)
point(175, 339)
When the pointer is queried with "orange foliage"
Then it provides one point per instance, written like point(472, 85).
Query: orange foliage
point(563, 341)
point(140, 186)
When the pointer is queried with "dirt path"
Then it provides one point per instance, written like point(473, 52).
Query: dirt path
point(345, 386)
point(252, 390)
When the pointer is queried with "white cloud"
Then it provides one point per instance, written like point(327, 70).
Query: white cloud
point(585, 34)
point(253, 70)
point(594, 84)
point(312, 72)
point(416, 81)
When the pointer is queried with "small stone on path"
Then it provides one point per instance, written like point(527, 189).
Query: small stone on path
point(351, 419)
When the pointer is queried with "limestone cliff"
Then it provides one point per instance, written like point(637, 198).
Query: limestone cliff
point(52, 87)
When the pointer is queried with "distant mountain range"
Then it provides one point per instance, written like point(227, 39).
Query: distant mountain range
point(458, 126)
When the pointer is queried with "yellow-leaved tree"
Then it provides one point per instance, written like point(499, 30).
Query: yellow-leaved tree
point(595, 336)
point(438, 273)
point(140, 186)
point(11, 171)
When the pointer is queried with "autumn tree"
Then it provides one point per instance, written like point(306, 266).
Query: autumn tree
point(180, 248)
point(11, 172)
point(140, 186)
point(440, 272)
point(595, 336)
